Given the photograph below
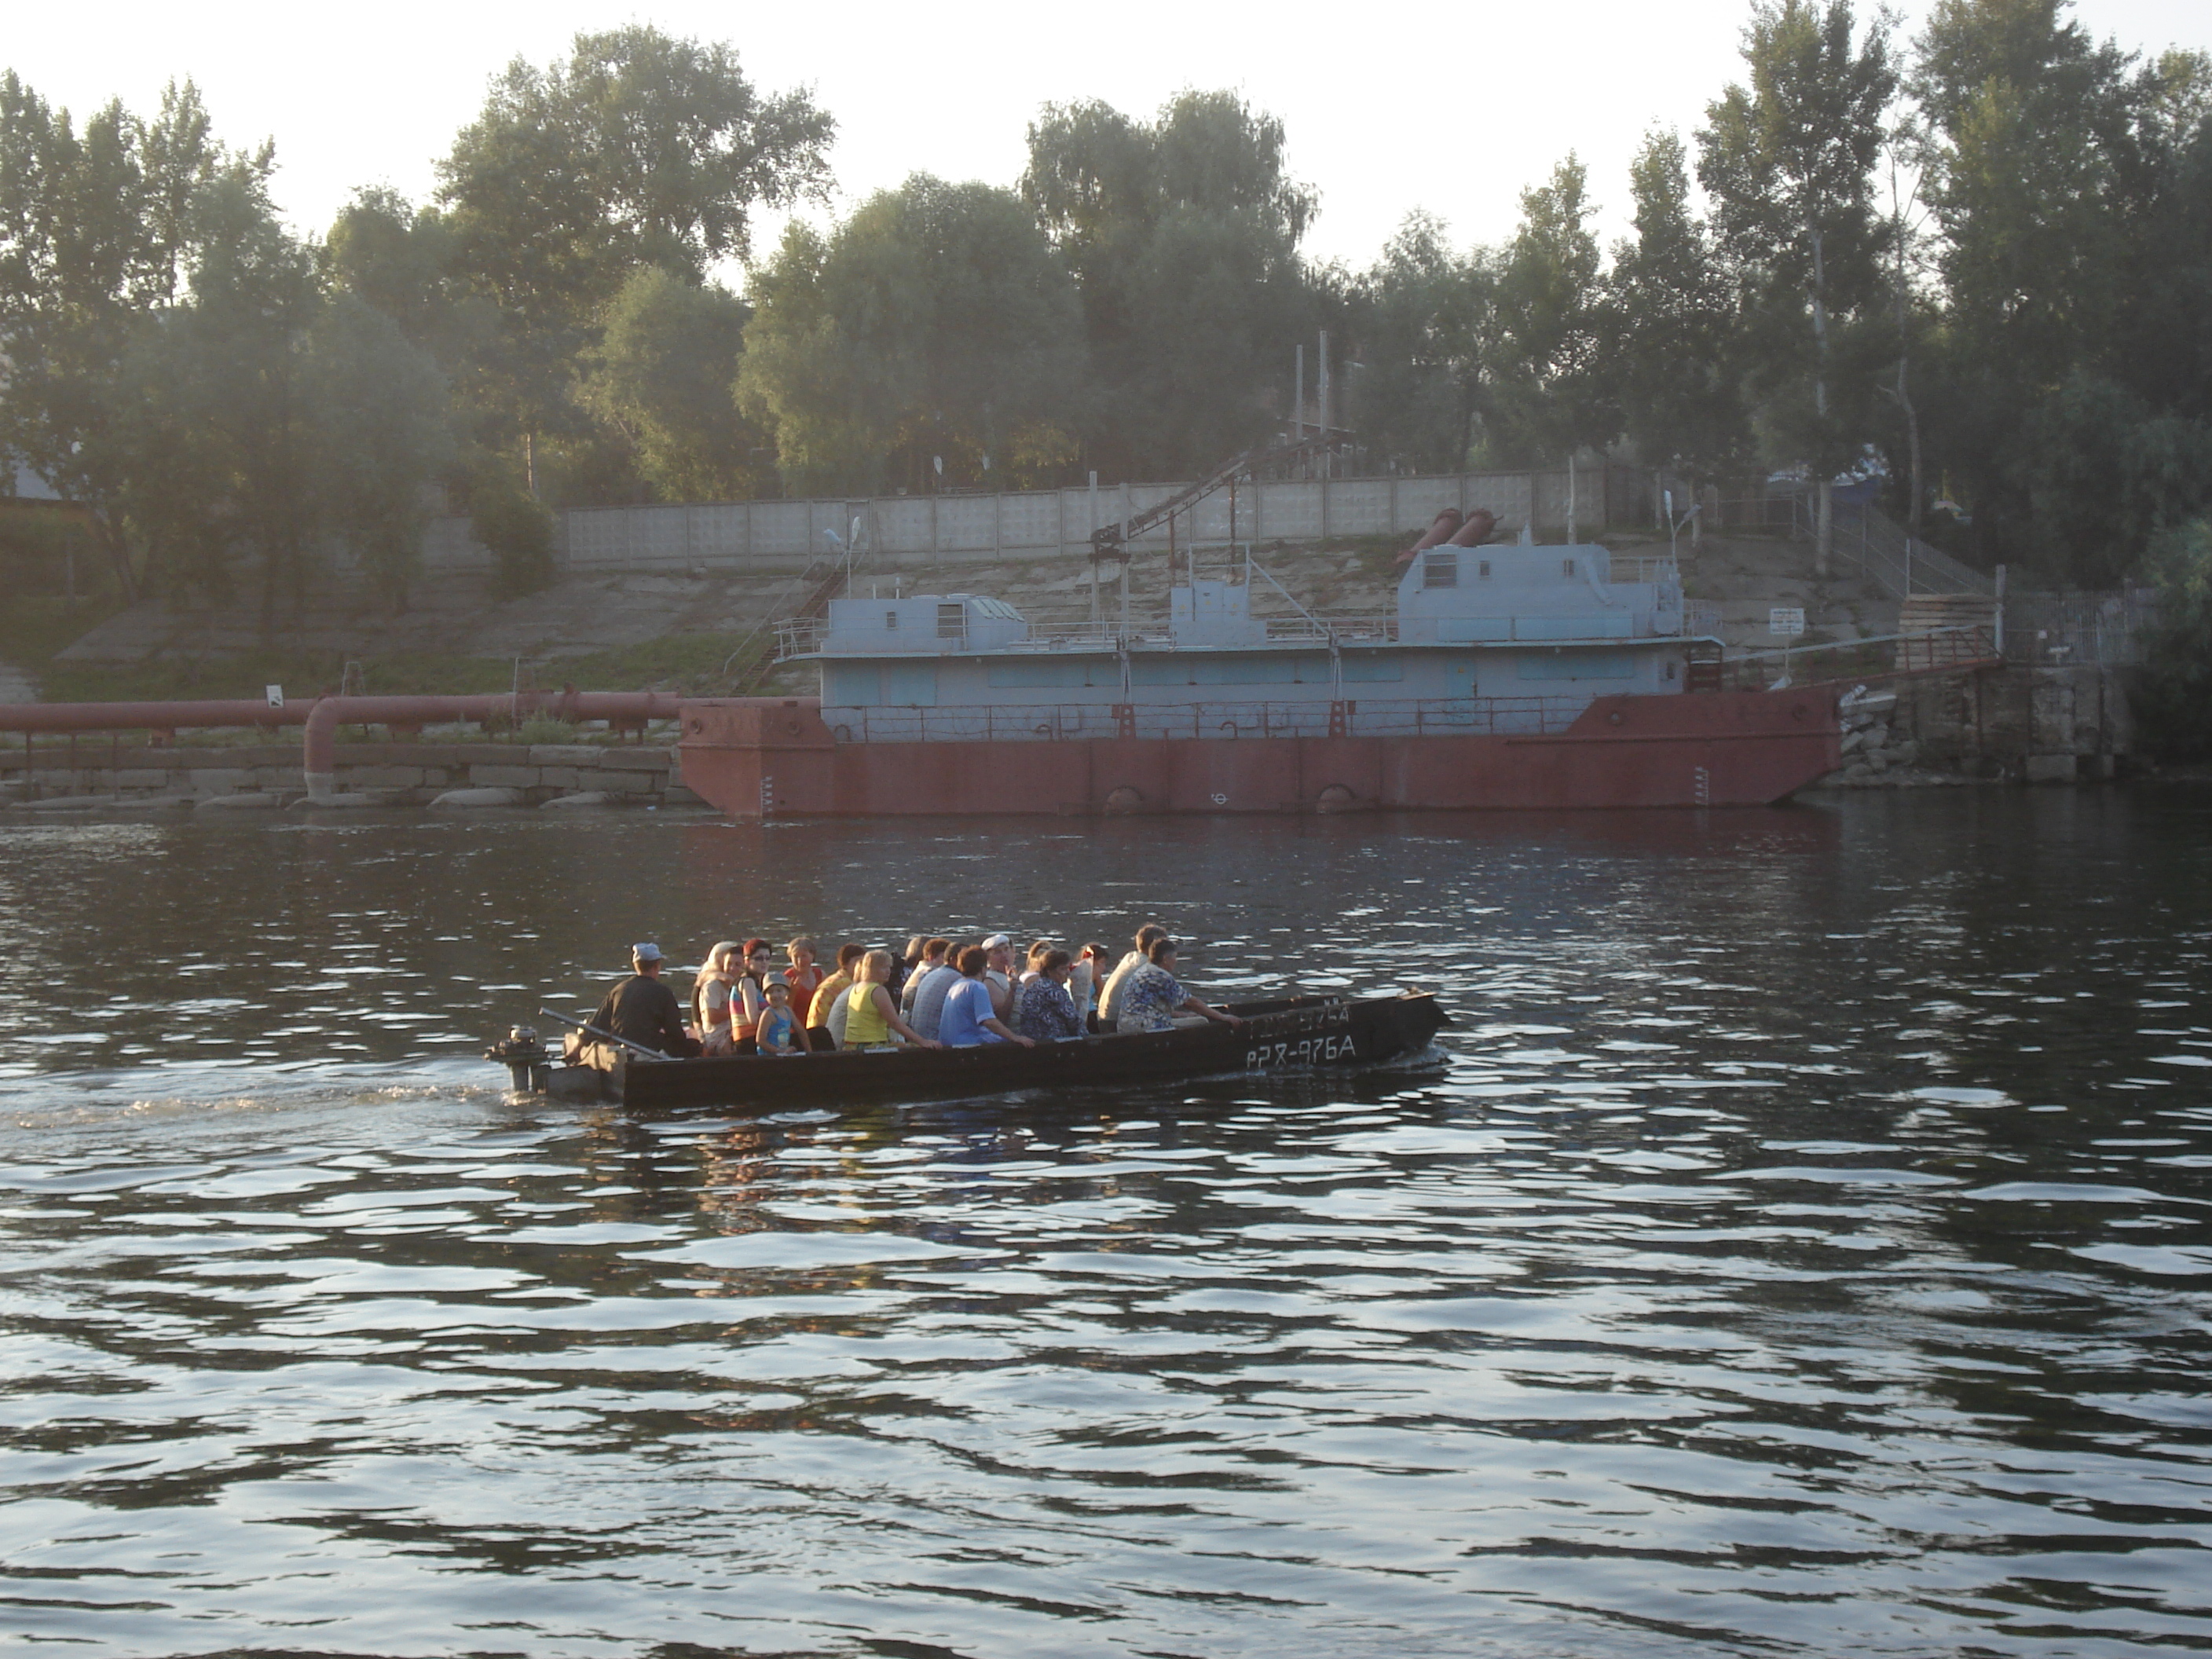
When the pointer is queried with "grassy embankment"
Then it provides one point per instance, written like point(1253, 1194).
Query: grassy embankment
point(35, 626)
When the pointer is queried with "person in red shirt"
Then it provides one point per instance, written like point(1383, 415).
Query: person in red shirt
point(805, 976)
point(806, 979)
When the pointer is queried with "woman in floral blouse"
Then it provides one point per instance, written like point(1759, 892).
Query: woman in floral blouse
point(1153, 996)
point(1048, 1012)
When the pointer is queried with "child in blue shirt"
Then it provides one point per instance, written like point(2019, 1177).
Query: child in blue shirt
point(778, 1032)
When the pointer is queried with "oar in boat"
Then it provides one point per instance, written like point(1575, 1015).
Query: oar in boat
point(603, 1036)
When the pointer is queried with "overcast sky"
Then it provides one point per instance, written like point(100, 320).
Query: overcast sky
point(1453, 108)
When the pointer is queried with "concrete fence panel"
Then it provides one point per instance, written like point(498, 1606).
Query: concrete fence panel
point(1361, 506)
point(1510, 497)
point(899, 526)
point(785, 535)
point(965, 521)
point(778, 529)
point(723, 530)
point(1289, 509)
point(1033, 521)
point(1419, 500)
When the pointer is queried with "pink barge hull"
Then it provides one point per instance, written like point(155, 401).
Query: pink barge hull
point(774, 757)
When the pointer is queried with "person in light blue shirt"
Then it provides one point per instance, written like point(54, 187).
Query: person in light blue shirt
point(778, 1032)
point(966, 1020)
point(923, 999)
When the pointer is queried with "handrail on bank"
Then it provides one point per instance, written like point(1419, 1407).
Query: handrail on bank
point(1924, 651)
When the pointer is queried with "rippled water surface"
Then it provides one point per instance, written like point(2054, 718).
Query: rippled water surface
point(1798, 1243)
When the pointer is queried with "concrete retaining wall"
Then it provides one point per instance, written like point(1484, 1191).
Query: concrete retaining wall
point(395, 773)
point(899, 530)
point(2020, 724)
point(2041, 725)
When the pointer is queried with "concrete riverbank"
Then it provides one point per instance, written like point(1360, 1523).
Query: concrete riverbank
point(2019, 724)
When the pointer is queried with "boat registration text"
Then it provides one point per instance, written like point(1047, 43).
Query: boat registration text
point(1306, 1051)
point(1316, 1036)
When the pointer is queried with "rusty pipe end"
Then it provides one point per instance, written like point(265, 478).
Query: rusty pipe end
point(318, 745)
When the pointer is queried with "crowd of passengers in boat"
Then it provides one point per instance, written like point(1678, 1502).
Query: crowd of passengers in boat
point(936, 994)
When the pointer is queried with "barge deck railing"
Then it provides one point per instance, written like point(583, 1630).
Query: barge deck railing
point(806, 638)
point(1355, 717)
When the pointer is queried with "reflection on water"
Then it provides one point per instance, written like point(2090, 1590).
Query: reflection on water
point(1803, 1247)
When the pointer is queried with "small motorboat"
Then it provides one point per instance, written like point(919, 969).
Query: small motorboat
point(1288, 1033)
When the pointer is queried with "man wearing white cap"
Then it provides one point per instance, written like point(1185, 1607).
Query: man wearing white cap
point(643, 1010)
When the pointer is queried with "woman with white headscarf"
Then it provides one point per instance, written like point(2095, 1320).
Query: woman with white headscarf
point(710, 997)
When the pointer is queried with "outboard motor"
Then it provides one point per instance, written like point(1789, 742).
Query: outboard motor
point(527, 1061)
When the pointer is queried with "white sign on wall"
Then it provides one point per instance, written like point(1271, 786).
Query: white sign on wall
point(1786, 619)
point(275, 693)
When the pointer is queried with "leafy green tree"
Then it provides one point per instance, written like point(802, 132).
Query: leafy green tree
point(382, 249)
point(1550, 397)
point(1424, 320)
point(1672, 310)
point(380, 438)
point(96, 232)
point(2167, 338)
point(1787, 159)
point(235, 356)
point(665, 375)
point(1914, 312)
point(639, 150)
point(268, 425)
point(934, 322)
point(2062, 181)
point(2113, 472)
point(1181, 234)
point(2034, 125)
point(397, 260)
point(2173, 699)
point(516, 528)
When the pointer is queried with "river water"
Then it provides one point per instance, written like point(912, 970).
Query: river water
point(1798, 1243)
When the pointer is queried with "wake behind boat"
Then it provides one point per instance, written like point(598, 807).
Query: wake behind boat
point(1287, 1034)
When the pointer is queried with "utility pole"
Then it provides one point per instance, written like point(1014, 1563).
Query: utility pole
point(1326, 453)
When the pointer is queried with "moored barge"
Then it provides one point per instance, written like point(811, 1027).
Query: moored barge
point(1518, 676)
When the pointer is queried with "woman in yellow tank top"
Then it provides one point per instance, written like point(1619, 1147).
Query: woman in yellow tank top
point(870, 1015)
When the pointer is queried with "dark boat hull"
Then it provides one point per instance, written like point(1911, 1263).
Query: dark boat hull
point(1293, 1033)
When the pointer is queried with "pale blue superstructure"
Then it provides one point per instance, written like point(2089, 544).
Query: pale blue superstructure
point(1507, 638)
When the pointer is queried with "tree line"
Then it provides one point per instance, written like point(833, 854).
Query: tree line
point(1974, 264)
